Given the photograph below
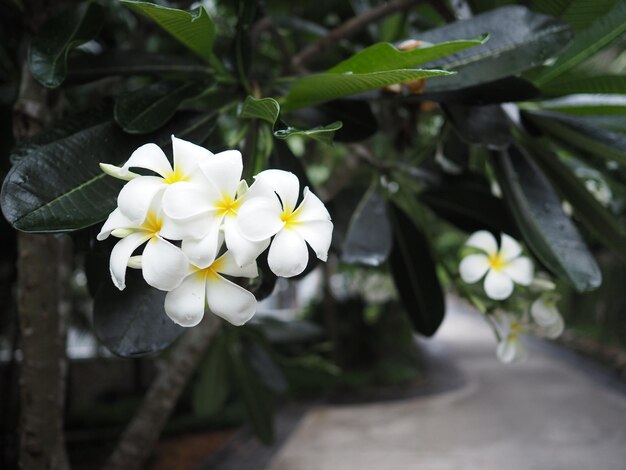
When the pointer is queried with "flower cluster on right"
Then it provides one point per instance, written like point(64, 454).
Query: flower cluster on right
point(503, 266)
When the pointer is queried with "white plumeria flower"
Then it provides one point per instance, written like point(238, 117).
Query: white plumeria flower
point(549, 319)
point(292, 227)
point(510, 348)
point(503, 266)
point(185, 305)
point(210, 203)
point(136, 196)
point(163, 264)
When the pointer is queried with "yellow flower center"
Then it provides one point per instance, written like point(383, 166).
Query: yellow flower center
point(210, 273)
point(153, 223)
point(516, 329)
point(175, 176)
point(290, 218)
point(228, 206)
point(497, 262)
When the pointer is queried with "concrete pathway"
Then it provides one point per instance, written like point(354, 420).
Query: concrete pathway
point(552, 412)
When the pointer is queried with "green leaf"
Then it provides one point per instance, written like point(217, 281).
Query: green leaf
point(414, 273)
point(323, 134)
point(132, 322)
point(86, 67)
point(600, 34)
point(47, 56)
point(212, 386)
point(195, 29)
point(594, 216)
point(267, 109)
point(575, 84)
point(551, 7)
point(486, 125)
point(518, 40)
point(547, 230)
point(586, 104)
point(578, 134)
point(581, 13)
point(149, 108)
point(59, 186)
point(503, 90)
point(384, 56)
point(319, 88)
point(368, 239)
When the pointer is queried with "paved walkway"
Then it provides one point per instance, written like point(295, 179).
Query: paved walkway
point(552, 412)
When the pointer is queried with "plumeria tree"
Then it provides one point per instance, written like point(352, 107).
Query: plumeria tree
point(198, 152)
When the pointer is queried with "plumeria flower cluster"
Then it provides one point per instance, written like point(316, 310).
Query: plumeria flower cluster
point(199, 224)
point(502, 266)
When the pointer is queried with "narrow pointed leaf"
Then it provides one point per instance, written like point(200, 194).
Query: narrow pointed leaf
point(194, 29)
point(547, 230)
point(266, 109)
point(586, 104)
point(575, 84)
point(75, 25)
point(323, 134)
point(211, 388)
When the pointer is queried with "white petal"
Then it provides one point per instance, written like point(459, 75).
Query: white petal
point(136, 197)
point(498, 286)
point(284, 183)
point(543, 314)
point(318, 234)
point(203, 251)
point(117, 172)
point(521, 270)
point(288, 255)
point(259, 218)
point(228, 300)
point(184, 200)
point(483, 240)
point(115, 220)
point(243, 250)
point(224, 171)
point(185, 304)
point(259, 188)
point(187, 156)
point(164, 265)
point(554, 330)
point(311, 208)
point(511, 350)
point(121, 253)
point(150, 157)
point(226, 264)
point(473, 268)
point(509, 248)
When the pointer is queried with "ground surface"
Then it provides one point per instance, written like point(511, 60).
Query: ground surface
point(555, 411)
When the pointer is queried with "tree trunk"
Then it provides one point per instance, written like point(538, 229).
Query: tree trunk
point(141, 435)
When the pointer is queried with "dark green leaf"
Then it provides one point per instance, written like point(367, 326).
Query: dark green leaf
point(212, 386)
point(581, 13)
point(267, 109)
point(59, 186)
point(384, 56)
point(547, 230)
point(596, 218)
point(85, 67)
point(504, 90)
point(573, 84)
point(368, 239)
point(319, 88)
point(586, 104)
point(487, 125)
point(551, 7)
point(132, 322)
point(600, 34)
point(579, 134)
point(414, 273)
point(265, 368)
point(145, 110)
point(194, 29)
point(47, 56)
point(519, 40)
point(323, 134)
point(284, 332)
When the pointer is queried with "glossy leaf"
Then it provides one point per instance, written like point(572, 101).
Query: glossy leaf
point(414, 273)
point(503, 90)
point(600, 34)
point(547, 230)
point(212, 386)
point(575, 84)
point(146, 109)
point(195, 29)
point(59, 186)
point(132, 322)
point(581, 13)
point(319, 88)
point(595, 217)
point(368, 239)
point(75, 25)
point(384, 56)
point(487, 125)
point(266, 109)
point(586, 104)
point(323, 134)
point(518, 40)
